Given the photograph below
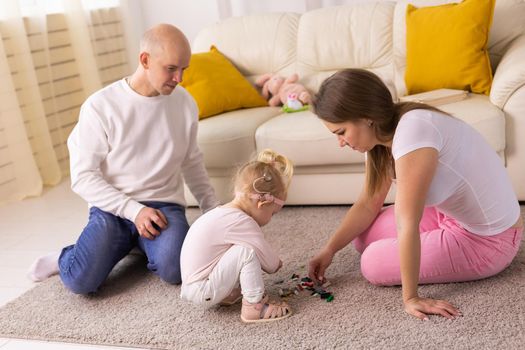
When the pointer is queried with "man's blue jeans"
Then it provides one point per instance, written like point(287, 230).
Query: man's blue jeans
point(107, 239)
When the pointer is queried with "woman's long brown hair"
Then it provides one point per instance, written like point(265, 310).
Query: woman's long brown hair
point(354, 94)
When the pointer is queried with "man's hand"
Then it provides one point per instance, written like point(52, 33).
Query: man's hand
point(150, 222)
point(421, 307)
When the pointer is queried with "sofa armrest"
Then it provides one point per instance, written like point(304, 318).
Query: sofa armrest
point(514, 111)
point(510, 73)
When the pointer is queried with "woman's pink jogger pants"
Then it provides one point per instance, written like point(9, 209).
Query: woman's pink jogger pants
point(449, 253)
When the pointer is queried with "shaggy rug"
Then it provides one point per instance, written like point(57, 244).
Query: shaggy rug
point(134, 308)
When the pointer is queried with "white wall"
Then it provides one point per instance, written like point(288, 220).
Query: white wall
point(188, 15)
point(192, 15)
point(245, 7)
point(134, 27)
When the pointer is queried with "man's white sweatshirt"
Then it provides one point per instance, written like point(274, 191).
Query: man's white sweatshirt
point(128, 148)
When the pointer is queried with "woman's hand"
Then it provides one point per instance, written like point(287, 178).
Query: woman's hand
point(421, 307)
point(319, 263)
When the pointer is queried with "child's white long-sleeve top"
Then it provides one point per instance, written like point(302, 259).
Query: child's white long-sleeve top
point(212, 234)
point(127, 148)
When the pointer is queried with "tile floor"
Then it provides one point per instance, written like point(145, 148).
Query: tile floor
point(31, 228)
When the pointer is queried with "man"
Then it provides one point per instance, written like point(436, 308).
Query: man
point(134, 142)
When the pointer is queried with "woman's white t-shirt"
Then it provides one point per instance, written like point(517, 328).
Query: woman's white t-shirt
point(471, 184)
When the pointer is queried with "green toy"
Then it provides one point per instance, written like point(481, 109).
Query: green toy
point(287, 109)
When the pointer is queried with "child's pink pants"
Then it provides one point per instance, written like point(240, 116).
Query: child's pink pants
point(449, 253)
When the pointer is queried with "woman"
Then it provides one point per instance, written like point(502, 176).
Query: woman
point(456, 215)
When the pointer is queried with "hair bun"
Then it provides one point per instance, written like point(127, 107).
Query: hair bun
point(278, 161)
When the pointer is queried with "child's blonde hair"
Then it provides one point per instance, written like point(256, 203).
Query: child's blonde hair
point(274, 170)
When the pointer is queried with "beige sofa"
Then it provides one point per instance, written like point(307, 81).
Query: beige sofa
point(315, 45)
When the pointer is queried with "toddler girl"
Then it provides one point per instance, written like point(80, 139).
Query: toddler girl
point(225, 247)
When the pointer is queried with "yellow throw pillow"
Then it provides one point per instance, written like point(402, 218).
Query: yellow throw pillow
point(217, 86)
point(447, 47)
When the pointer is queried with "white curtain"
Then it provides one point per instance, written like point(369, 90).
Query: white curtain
point(50, 61)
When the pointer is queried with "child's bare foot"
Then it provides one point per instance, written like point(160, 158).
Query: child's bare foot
point(264, 311)
point(44, 267)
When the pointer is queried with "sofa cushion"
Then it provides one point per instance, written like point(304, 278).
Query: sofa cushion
point(217, 86)
point(304, 139)
point(447, 47)
point(332, 38)
point(255, 44)
point(507, 25)
point(228, 139)
point(307, 142)
point(480, 113)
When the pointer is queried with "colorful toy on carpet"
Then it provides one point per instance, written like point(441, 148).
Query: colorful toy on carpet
point(296, 285)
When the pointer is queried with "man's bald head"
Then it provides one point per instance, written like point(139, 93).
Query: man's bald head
point(161, 37)
point(164, 55)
